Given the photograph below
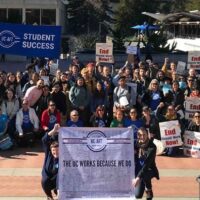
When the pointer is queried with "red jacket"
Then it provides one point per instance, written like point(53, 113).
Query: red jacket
point(45, 118)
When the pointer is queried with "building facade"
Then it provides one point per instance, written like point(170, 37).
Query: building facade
point(35, 12)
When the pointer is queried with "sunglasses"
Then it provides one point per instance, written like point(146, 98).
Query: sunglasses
point(75, 115)
point(190, 80)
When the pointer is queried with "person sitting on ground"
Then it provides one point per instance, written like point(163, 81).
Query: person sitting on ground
point(133, 121)
point(171, 114)
point(27, 124)
point(74, 120)
point(100, 117)
point(118, 120)
point(10, 107)
point(50, 117)
point(50, 167)
point(3, 123)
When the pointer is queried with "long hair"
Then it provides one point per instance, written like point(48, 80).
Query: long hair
point(142, 145)
point(153, 81)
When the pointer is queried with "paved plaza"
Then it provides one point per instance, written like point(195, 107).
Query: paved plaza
point(20, 174)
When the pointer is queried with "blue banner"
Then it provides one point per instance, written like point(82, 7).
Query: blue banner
point(29, 40)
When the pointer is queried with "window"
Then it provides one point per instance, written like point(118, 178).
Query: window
point(33, 16)
point(3, 14)
point(15, 16)
point(48, 17)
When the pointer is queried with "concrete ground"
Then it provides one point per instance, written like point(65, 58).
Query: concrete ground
point(20, 174)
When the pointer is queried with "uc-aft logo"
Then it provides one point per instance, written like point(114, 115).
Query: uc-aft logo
point(8, 39)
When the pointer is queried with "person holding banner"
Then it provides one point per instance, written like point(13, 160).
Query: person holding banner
point(194, 125)
point(145, 169)
point(171, 114)
point(50, 167)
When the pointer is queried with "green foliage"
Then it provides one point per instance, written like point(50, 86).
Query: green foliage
point(178, 6)
point(84, 41)
point(84, 16)
point(193, 5)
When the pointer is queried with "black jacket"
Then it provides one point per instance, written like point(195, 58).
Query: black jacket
point(149, 161)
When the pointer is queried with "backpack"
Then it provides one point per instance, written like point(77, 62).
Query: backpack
point(5, 142)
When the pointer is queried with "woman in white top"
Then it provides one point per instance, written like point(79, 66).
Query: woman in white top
point(10, 106)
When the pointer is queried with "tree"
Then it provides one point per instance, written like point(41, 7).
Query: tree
point(85, 16)
point(193, 5)
point(178, 6)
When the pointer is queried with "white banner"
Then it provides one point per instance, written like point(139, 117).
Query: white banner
point(131, 50)
point(193, 59)
point(95, 163)
point(104, 52)
point(192, 104)
point(170, 133)
point(192, 144)
point(180, 67)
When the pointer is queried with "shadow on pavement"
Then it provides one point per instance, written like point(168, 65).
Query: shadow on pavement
point(16, 151)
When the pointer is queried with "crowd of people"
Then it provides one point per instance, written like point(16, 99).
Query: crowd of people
point(93, 95)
